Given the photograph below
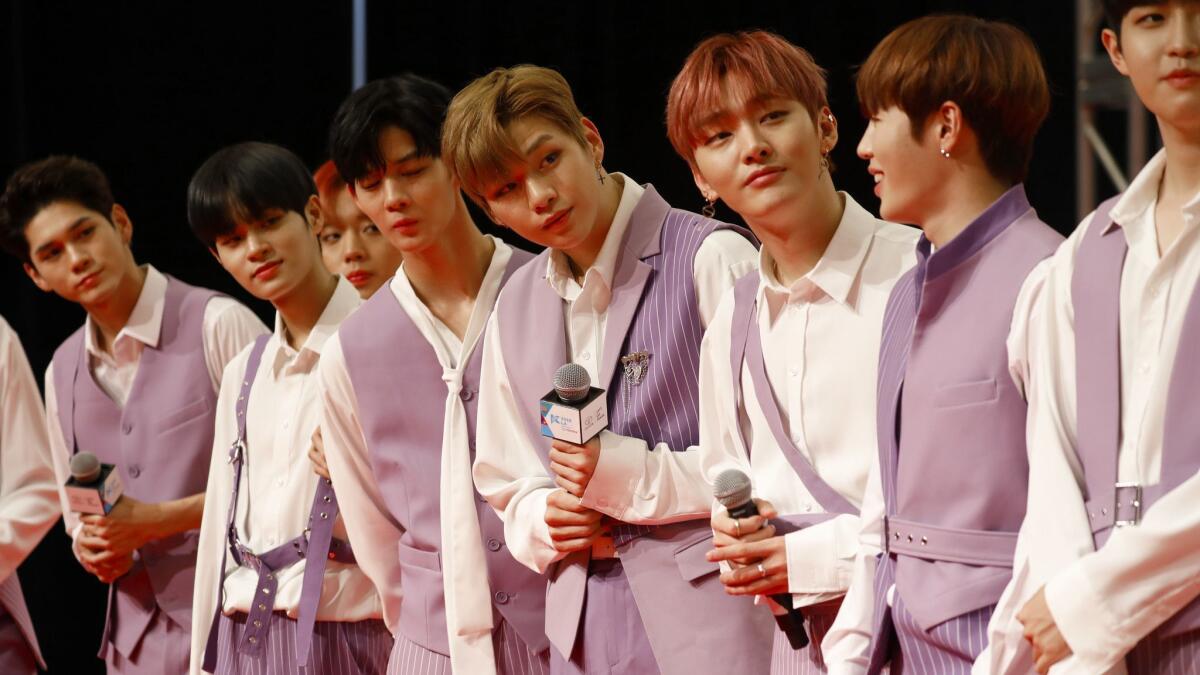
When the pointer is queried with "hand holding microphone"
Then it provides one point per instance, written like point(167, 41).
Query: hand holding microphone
point(573, 414)
point(752, 543)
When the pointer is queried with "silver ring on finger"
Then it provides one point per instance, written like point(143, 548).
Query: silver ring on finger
point(762, 571)
point(737, 527)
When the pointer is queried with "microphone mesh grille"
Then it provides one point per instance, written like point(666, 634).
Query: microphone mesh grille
point(85, 467)
point(732, 488)
point(572, 382)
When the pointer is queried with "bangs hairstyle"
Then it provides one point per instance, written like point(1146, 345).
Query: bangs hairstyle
point(990, 69)
point(329, 184)
point(476, 143)
point(1115, 11)
point(240, 183)
point(33, 187)
point(746, 66)
point(407, 102)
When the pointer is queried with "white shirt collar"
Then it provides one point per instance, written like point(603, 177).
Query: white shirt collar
point(342, 303)
point(1134, 211)
point(145, 321)
point(558, 268)
point(835, 273)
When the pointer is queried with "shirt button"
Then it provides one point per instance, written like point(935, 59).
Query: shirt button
point(126, 427)
point(135, 471)
point(285, 425)
point(1144, 368)
point(280, 481)
point(466, 394)
point(808, 508)
point(585, 356)
point(501, 597)
point(493, 545)
point(794, 372)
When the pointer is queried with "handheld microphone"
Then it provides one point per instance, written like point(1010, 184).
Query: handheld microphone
point(732, 490)
point(93, 487)
point(573, 411)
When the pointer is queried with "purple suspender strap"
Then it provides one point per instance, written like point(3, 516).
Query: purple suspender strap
point(316, 545)
point(746, 342)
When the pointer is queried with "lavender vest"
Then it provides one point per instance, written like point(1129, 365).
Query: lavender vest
point(161, 443)
point(405, 442)
point(1095, 297)
point(653, 309)
point(951, 423)
point(746, 347)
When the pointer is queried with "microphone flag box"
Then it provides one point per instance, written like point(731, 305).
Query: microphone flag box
point(575, 422)
point(97, 497)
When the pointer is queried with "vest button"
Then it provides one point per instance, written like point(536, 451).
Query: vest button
point(126, 428)
point(501, 597)
point(135, 471)
point(493, 545)
point(466, 394)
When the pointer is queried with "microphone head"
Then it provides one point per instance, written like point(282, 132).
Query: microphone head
point(572, 382)
point(85, 468)
point(732, 488)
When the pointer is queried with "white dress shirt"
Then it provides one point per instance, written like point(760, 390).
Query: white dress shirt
point(374, 533)
point(28, 496)
point(629, 480)
point(1105, 601)
point(278, 482)
point(227, 327)
point(820, 338)
point(845, 644)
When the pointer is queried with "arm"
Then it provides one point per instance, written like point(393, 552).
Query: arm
point(845, 645)
point(373, 533)
point(229, 327)
point(28, 504)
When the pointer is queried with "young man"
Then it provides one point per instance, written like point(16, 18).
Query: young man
point(454, 598)
point(135, 385)
point(352, 245)
point(748, 112)
point(1107, 572)
point(624, 278)
point(28, 499)
point(954, 104)
point(277, 589)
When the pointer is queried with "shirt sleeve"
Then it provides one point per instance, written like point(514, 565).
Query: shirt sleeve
point(212, 544)
point(60, 458)
point(374, 533)
point(28, 503)
point(723, 257)
point(848, 639)
point(508, 472)
point(228, 327)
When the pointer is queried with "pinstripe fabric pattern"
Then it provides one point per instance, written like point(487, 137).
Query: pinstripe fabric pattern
point(614, 639)
point(338, 648)
point(1175, 655)
point(16, 658)
point(948, 649)
point(513, 656)
point(163, 648)
point(807, 661)
point(665, 406)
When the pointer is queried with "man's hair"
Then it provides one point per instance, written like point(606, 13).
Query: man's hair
point(476, 143)
point(33, 187)
point(241, 182)
point(990, 69)
point(742, 66)
point(407, 102)
point(1115, 11)
point(329, 184)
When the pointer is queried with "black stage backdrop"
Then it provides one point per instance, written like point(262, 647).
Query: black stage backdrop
point(148, 90)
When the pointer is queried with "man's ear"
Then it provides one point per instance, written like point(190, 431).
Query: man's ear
point(120, 220)
point(1112, 45)
point(36, 277)
point(595, 143)
point(314, 215)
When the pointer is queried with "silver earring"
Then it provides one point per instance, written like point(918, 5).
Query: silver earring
point(945, 153)
point(824, 163)
point(599, 176)
point(709, 209)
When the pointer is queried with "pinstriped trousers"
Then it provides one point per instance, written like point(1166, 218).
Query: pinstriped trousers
point(1176, 655)
point(338, 648)
point(948, 649)
point(807, 661)
point(16, 658)
point(513, 656)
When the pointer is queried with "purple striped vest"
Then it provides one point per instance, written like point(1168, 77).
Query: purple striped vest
point(382, 347)
point(951, 422)
point(161, 443)
point(1095, 297)
point(653, 309)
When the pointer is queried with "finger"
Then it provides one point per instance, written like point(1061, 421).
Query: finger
point(574, 488)
point(758, 535)
point(569, 448)
point(721, 539)
point(93, 519)
point(573, 532)
point(558, 517)
point(566, 459)
point(317, 441)
point(569, 472)
point(572, 545)
point(765, 509)
point(768, 585)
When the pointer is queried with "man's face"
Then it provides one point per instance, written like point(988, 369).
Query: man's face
point(1159, 51)
point(411, 198)
point(354, 247)
point(78, 253)
point(272, 255)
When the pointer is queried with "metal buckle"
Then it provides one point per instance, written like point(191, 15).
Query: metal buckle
point(1135, 503)
point(236, 451)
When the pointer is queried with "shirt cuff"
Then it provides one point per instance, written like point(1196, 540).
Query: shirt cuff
point(75, 532)
point(614, 481)
point(816, 564)
point(1086, 623)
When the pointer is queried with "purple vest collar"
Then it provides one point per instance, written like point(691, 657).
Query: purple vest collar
point(986, 227)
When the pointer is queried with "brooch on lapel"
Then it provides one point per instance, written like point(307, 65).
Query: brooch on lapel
point(635, 366)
